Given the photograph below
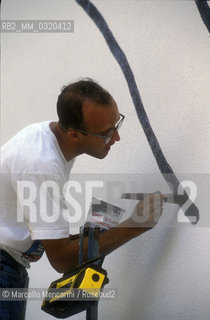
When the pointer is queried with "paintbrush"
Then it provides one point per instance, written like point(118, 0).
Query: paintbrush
point(191, 210)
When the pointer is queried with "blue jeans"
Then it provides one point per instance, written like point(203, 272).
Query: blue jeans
point(12, 275)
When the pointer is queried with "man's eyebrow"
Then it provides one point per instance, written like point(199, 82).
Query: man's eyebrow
point(107, 131)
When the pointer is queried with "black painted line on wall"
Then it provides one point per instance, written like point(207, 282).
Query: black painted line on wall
point(204, 10)
point(119, 55)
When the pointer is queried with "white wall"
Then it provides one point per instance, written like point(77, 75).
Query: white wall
point(164, 274)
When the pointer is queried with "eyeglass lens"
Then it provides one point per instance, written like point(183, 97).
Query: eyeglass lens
point(117, 127)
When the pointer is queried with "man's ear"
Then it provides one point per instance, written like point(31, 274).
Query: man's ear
point(73, 134)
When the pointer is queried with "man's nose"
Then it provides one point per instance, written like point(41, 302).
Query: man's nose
point(116, 135)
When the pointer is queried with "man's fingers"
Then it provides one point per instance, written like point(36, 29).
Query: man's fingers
point(154, 196)
point(148, 211)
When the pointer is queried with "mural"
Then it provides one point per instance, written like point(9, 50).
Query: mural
point(204, 12)
point(120, 57)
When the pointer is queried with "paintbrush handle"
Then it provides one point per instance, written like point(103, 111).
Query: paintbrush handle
point(172, 198)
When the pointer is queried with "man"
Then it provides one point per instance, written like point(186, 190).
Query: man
point(88, 122)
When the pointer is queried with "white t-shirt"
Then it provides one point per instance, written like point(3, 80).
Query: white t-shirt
point(33, 173)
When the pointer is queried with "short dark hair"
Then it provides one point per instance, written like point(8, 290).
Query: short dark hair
point(71, 98)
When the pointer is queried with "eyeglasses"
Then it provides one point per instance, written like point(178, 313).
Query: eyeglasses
point(108, 136)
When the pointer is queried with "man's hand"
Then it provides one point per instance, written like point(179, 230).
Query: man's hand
point(147, 212)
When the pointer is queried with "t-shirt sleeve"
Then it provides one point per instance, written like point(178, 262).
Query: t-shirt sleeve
point(41, 205)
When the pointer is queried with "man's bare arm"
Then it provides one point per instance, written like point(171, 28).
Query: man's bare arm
point(63, 254)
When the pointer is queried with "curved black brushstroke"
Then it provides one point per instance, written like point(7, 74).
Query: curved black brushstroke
point(204, 12)
point(119, 55)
